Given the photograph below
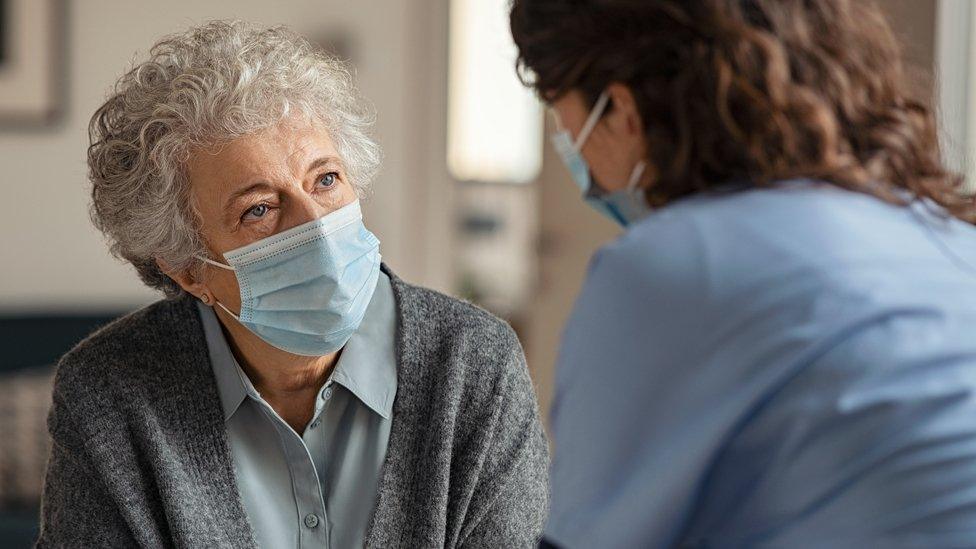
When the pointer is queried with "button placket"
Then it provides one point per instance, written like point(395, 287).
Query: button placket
point(313, 531)
point(324, 395)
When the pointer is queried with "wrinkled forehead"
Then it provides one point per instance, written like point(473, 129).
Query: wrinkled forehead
point(272, 154)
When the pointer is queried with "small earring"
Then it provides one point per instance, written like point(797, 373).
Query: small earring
point(205, 298)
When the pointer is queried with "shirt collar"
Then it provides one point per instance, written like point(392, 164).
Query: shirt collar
point(366, 367)
point(232, 384)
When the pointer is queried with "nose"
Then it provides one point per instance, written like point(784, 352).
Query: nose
point(304, 208)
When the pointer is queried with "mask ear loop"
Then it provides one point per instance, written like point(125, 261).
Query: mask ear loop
point(237, 318)
point(635, 176)
point(222, 266)
point(214, 263)
point(592, 120)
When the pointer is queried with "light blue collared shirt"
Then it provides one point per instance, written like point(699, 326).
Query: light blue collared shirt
point(793, 367)
point(317, 488)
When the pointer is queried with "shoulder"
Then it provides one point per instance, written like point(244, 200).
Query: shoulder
point(462, 347)
point(132, 350)
point(688, 265)
point(443, 317)
point(657, 262)
point(726, 241)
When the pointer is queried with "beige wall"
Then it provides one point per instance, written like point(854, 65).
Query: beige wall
point(52, 258)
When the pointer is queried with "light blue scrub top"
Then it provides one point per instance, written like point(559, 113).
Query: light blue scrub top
point(317, 488)
point(771, 368)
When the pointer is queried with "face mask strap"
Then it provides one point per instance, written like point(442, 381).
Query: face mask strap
point(635, 176)
point(214, 263)
point(237, 318)
point(222, 266)
point(592, 120)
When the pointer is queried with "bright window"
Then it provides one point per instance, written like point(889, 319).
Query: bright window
point(495, 124)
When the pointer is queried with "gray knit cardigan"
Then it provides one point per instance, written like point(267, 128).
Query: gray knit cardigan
point(141, 458)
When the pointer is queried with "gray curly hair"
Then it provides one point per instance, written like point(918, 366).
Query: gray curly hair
point(206, 86)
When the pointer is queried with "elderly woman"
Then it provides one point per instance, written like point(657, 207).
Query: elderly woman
point(291, 390)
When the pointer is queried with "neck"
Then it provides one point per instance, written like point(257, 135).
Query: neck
point(288, 382)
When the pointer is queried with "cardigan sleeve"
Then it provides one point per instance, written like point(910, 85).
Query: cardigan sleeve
point(511, 498)
point(76, 510)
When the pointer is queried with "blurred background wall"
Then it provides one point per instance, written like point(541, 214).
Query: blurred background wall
point(517, 244)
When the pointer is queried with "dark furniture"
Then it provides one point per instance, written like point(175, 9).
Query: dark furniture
point(36, 341)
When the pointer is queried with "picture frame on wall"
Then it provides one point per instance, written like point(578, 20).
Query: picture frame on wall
point(32, 63)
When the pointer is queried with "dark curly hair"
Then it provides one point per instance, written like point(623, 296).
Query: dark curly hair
point(748, 90)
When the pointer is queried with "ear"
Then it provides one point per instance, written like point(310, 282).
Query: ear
point(186, 280)
point(624, 116)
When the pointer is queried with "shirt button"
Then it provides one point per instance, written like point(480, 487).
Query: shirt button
point(316, 423)
point(327, 393)
point(311, 520)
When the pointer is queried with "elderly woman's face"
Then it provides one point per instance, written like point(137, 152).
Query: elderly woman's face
point(260, 185)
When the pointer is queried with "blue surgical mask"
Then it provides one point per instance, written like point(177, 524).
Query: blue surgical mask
point(624, 206)
point(305, 290)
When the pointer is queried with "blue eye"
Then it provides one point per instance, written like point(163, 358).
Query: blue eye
point(328, 179)
point(257, 212)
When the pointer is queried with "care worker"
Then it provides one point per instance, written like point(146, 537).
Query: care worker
point(780, 350)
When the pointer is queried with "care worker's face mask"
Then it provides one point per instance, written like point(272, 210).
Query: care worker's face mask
point(305, 290)
point(623, 206)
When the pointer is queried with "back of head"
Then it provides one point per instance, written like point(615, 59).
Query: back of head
point(748, 90)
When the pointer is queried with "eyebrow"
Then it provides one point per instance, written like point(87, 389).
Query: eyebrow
point(321, 161)
point(236, 195)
